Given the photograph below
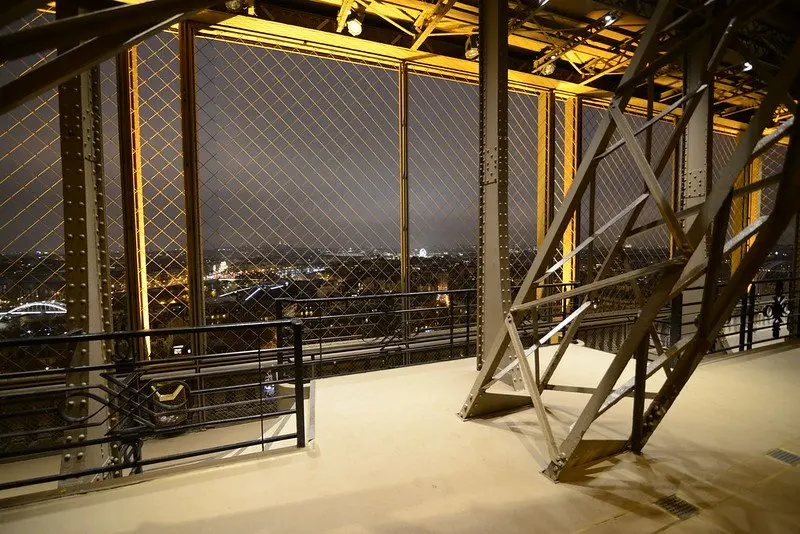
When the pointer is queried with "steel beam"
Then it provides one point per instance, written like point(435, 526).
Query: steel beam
point(718, 310)
point(81, 163)
point(439, 11)
point(476, 403)
point(405, 252)
point(74, 61)
point(696, 173)
point(132, 183)
point(739, 214)
point(344, 12)
point(114, 20)
point(191, 182)
point(753, 200)
point(573, 126)
point(494, 287)
point(545, 164)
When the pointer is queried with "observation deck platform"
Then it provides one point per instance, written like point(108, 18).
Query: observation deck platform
point(390, 455)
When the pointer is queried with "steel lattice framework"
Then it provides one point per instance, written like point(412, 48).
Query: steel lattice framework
point(707, 207)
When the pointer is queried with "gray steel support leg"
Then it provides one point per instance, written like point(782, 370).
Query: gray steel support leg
point(494, 288)
point(696, 172)
point(84, 256)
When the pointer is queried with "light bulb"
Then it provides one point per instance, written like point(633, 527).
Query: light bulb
point(354, 27)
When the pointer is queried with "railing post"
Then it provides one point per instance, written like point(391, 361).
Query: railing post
point(676, 319)
point(299, 397)
point(743, 323)
point(751, 315)
point(279, 341)
point(466, 349)
point(638, 396)
point(777, 309)
point(452, 319)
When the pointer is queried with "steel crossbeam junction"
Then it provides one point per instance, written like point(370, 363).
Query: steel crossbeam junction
point(698, 232)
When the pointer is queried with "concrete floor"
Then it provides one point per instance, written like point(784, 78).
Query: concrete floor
point(391, 456)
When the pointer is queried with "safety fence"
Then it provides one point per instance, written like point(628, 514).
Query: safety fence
point(79, 421)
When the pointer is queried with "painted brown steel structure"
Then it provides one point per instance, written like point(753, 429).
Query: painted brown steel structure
point(494, 285)
point(691, 260)
point(132, 197)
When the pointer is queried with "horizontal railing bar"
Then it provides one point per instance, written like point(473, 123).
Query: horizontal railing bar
point(144, 462)
point(155, 332)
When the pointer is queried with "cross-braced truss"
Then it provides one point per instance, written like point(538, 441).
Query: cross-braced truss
point(701, 244)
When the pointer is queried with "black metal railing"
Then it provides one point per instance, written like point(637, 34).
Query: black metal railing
point(155, 385)
point(768, 306)
point(74, 409)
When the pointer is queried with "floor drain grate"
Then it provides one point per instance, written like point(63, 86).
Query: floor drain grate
point(784, 456)
point(677, 506)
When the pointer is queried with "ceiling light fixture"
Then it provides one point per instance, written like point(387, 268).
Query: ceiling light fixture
point(747, 66)
point(471, 50)
point(548, 69)
point(354, 25)
point(609, 19)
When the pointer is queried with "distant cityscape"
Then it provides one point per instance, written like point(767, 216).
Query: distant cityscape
point(244, 287)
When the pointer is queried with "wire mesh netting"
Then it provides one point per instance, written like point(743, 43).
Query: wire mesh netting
point(299, 180)
point(162, 177)
point(779, 264)
point(31, 229)
point(522, 177)
point(618, 184)
point(443, 182)
point(113, 196)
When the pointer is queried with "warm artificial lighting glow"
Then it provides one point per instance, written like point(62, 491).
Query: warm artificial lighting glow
point(354, 26)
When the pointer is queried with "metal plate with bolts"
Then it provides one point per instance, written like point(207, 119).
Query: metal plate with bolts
point(784, 456)
point(678, 507)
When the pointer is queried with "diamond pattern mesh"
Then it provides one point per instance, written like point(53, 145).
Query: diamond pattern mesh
point(299, 180)
point(522, 177)
point(443, 179)
point(162, 174)
point(31, 233)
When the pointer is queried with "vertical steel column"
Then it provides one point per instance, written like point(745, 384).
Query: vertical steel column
point(573, 125)
point(86, 292)
point(641, 355)
point(545, 164)
point(191, 183)
point(494, 288)
point(130, 162)
point(754, 198)
point(697, 160)
point(405, 254)
point(739, 214)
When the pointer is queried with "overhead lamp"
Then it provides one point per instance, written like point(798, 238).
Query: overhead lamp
point(543, 2)
point(609, 19)
point(548, 69)
point(236, 5)
point(354, 24)
point(747, 66)
point(471, 50)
